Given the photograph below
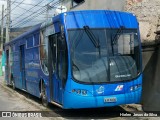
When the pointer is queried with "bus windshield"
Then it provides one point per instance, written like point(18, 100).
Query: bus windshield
point(117, 57)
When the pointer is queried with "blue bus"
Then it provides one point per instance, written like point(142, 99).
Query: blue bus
point(79, 59)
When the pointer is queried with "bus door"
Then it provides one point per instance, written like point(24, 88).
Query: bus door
point(22, 66)
point(7, 67)
point(53, 63)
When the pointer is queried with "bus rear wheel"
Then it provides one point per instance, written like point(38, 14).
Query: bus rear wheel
point(12, 83)
point(44, 96)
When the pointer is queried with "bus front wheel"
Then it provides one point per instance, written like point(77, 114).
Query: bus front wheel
point(44, 96)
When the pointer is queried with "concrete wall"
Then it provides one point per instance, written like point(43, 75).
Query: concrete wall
point(148, 14)
point(151, 80)
point(96, 4)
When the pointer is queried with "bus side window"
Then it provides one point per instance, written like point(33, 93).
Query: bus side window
point(62, 59)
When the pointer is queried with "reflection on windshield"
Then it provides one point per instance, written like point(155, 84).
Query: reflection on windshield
point(95, 73)
point(116, 63)
point(122, 68)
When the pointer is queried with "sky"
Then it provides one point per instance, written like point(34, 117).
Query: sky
point(25, 13)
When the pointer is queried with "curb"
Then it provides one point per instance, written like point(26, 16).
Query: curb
point(137, 107)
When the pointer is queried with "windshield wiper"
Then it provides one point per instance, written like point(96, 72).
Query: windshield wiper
point(116, 37)
point(92, 37)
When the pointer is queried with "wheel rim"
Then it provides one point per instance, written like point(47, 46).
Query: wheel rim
point(13, 86)
point(44, 97)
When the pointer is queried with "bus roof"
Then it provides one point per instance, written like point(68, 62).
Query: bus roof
point(100, 19)
point(91, 18)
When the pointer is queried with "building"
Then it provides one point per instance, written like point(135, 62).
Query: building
point(94, 4)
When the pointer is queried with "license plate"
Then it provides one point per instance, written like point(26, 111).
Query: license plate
point(113, 99)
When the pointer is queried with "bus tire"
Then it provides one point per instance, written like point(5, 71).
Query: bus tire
point(12, 83)
point(44, 96)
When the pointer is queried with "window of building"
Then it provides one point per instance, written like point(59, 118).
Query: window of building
point(77, 2)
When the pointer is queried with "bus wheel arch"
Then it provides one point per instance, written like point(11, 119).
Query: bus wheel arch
point(43, 92)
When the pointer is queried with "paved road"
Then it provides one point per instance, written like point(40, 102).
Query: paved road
point(11, 100)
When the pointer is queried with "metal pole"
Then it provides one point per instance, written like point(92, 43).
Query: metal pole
point(2, 28)
point(8, 21)
point(47, 12)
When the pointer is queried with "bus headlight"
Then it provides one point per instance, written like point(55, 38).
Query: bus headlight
point(133, 88)
point(78, 92)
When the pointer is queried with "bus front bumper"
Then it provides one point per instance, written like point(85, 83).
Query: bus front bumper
point(73, 101)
